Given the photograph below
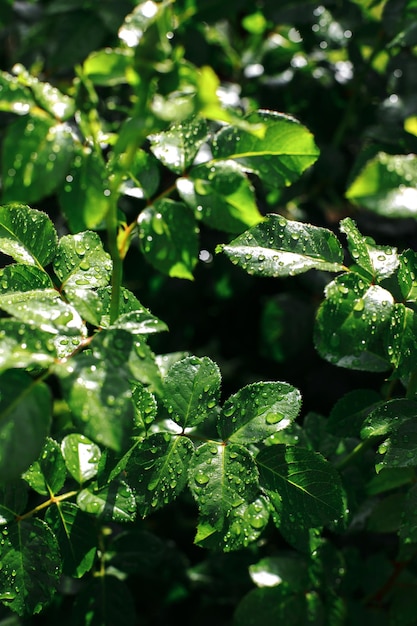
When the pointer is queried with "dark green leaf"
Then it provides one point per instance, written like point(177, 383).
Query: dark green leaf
point(36, 157)
point(408, 527)
point(76, 534)
point(84, 196)
point(222, 478)
point(257, 411)
point(387, 417)
point(309, 487)
point(352, 322)
point(81, 262)
point(27, 235)
point(157, 469)
point(400, 449)
point(47, 474)
point(221, 196)
point(113, 503)
point(24, 345)
point(25, 417)
point(168, 238)
point(389, 479)
point(136, 552)
point(192, 390)
point(105, 601)
point(279, 247)
point(272, 606)
point(177, 147)
point(385, 517)
point(31, 566)
point(402, 339)
point(407, 274)
point(81, 457)
point(348, 414)
point(19, 277)
point(387, 185)
point(13, 500)
point(279, 157)
point(379, 262)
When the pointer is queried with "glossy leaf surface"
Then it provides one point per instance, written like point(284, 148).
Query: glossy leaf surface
point(27, 235)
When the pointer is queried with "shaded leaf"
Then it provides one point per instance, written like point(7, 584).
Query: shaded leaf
point(192, 390)
point(258, 411)
point(349, 412)
point(136, 552)
point(25, 417)
point(105, 601)
point(13, 500)
point(29, 546)
point(279, 247)
point(27, 235)
point(400, 449)
point(271, 606)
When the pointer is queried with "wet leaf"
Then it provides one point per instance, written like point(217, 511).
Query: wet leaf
point(221, 195)
point(14, 97)
point(192, 390)
point(348, 414)
point(108, 67)
point(401, 339)
point(291, 569)
point(157, 470)
point(177, 147)
point(279, 157)
point(81, 262)
point(133, 317)
point(19, 277)
point(388, 416)
point(25, 418)
point(145, 409)
point(309, 487)
point(400, 449)
point(407, 275)
point(168, 238)
point(408, 527)
point(352, 324)
point(113, 503)
point(27, 235)
point(257, 411)
point(76, 534)
point(28, 546)
point(48, 473)
point(13, 500)
point(81, 456)
point(24, 345)
point(279, 247)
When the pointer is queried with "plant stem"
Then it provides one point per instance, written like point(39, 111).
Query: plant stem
point(44, 505)
point(357, 451)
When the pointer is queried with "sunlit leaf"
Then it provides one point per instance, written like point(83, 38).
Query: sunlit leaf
point(177, 147)
point(108, 67)
point(112, 503)
point(81, 456)
point(47, 474)
point(81, 262)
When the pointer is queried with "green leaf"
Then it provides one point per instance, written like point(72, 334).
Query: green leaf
point(81, 262)
point(348, 414)
point(279, 247)
point(113, 503)
point(309, 487)
point(272, 606)
point(408, 527)
point(145, 409)
point(291, 569)
point(192, 390)
point(24, 345)
point(105, 601)
point(15, 97)
point(108, 67)
point(352, 322)
point(17, 277)
point(388, 416)
point(133, 317)
point(279, 157)
point(177, 147)
point(385, 517)
point(157, 470)
point(29, 547)
point(257, 411)
point(84, 196)
point(387, 185)
point(46, 309)
point(47, 474)
point(100, 398)
point(138, 22)
point(407, 274)
point(168, 238)
point(240, 527)
point(221, 195)
point(136, 552)
point(13, 500)
point(27, 235)
point(25, 418)
point(400, 449)
point(379, 262)
point(76, 534)
point(222, 478)
point(36, 157)
point(402, 339)
point(81, 457)
point(389, 479)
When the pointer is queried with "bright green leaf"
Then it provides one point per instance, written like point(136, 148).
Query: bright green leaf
point(280, 247)
point(108, 67)
point(47, 474)
point(112, 503)
point(81, 456)
point(177, 147)
point(257, 411)
point(81, 262)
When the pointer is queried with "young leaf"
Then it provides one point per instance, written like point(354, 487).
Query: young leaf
point(27, 235)
point(76, 534)
point(168, 238)
point(113, 503)
point(36, 157)
point(257, 411)
point(279, 247)
point(387, 185)
point(81, 262)
point(157, 470)
point(25, 417)
point(221, 195)
point(177, 147)
point(47, 474)
point(192, 390)
point(81, 457)
point(379, 262)
point(279, 157)
point(352, 324)
point(222, 478)
point(29, 547)
point(309, 487)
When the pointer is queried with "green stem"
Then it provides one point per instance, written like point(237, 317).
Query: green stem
point(357, 451)
point(44, 505)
